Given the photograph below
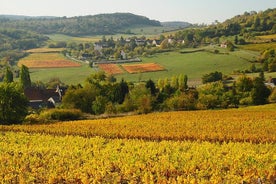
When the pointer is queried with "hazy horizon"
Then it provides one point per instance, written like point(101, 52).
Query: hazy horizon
point(196, 11)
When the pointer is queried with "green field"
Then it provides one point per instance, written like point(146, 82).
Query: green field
point(67, 75)
point(259, 46)
point(192, 64)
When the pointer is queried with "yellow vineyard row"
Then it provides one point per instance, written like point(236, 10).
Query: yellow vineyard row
point(36, 158)
point(257, 126)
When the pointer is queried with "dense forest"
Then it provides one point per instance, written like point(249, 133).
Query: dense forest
point(78, 26)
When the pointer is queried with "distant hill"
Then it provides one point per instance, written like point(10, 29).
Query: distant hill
point(22, 17)
point(176, 24)
point(77, 26)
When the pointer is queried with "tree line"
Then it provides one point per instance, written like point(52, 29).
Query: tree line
point(102, 94)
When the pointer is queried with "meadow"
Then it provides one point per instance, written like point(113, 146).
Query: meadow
point(218, 146)
point(259, 47)
point(71, 75)
point(192, 64)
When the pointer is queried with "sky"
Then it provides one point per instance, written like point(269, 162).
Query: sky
point(193, 11)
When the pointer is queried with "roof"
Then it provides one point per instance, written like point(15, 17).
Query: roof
point(37, 94)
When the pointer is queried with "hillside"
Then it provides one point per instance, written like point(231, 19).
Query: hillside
point(78, 26)
point(176, 24)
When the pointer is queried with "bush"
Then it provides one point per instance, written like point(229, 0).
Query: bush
point(33, 119)
point(212, 77)
point(61, 114)
point(272, 97)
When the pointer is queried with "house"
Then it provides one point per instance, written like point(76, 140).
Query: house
point(39, 98)
point(99, 46)
point(223, 45)
point(123, 55)
point(271, 82)
point(156, 42)
point(140, 42)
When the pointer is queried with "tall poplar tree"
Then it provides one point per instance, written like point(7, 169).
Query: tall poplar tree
point(25, 76)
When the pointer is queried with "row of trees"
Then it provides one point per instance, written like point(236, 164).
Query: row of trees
point(100, 95)
point(103, 94)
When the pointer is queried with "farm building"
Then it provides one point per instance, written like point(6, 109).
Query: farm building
point(39, 98)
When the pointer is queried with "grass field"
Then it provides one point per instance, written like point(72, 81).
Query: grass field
point(218, 146)
point(267, 37)
point(259, 47)
point(73, 75)
point(192, 64)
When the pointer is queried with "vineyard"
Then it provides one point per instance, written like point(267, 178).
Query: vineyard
point(219, 146)
point(47, 60)
point(111, 68)
point(140, 68)
point(215, 126)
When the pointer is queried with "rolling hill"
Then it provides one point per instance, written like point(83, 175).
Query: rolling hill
point(78, 26)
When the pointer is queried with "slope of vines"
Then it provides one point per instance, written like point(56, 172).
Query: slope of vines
point(257, 126)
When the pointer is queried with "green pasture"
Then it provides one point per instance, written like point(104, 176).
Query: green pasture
point(71, 75)
point(149, 31)
point(259, 46)
point(193, 64)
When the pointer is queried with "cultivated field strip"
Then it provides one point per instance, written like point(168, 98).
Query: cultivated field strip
point(256, 126)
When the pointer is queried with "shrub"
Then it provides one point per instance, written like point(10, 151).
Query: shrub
point(33, 119)
point(272, 97)
point(61, 114)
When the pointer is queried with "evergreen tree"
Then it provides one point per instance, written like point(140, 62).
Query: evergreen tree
point(25, 76)
point(150, 85)
point(8, 76)
point(120, 92)
point(260, 92)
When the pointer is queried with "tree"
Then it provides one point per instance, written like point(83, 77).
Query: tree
point(174, 82)
point(98, 106)
point(120, 92)
point(151, 86)
point(182, 82)
point(210, 95)
point(236, 41)
point(260, 92)
point(81, 97)
point(13, 104)
point(164, 44)
point(212, 77)
point(8, 76)
point(25, 77)
point(244, 84)
point(141, 99)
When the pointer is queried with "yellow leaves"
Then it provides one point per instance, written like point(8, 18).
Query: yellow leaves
point(258, 126)
point(153, 149)
point(74, 159)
